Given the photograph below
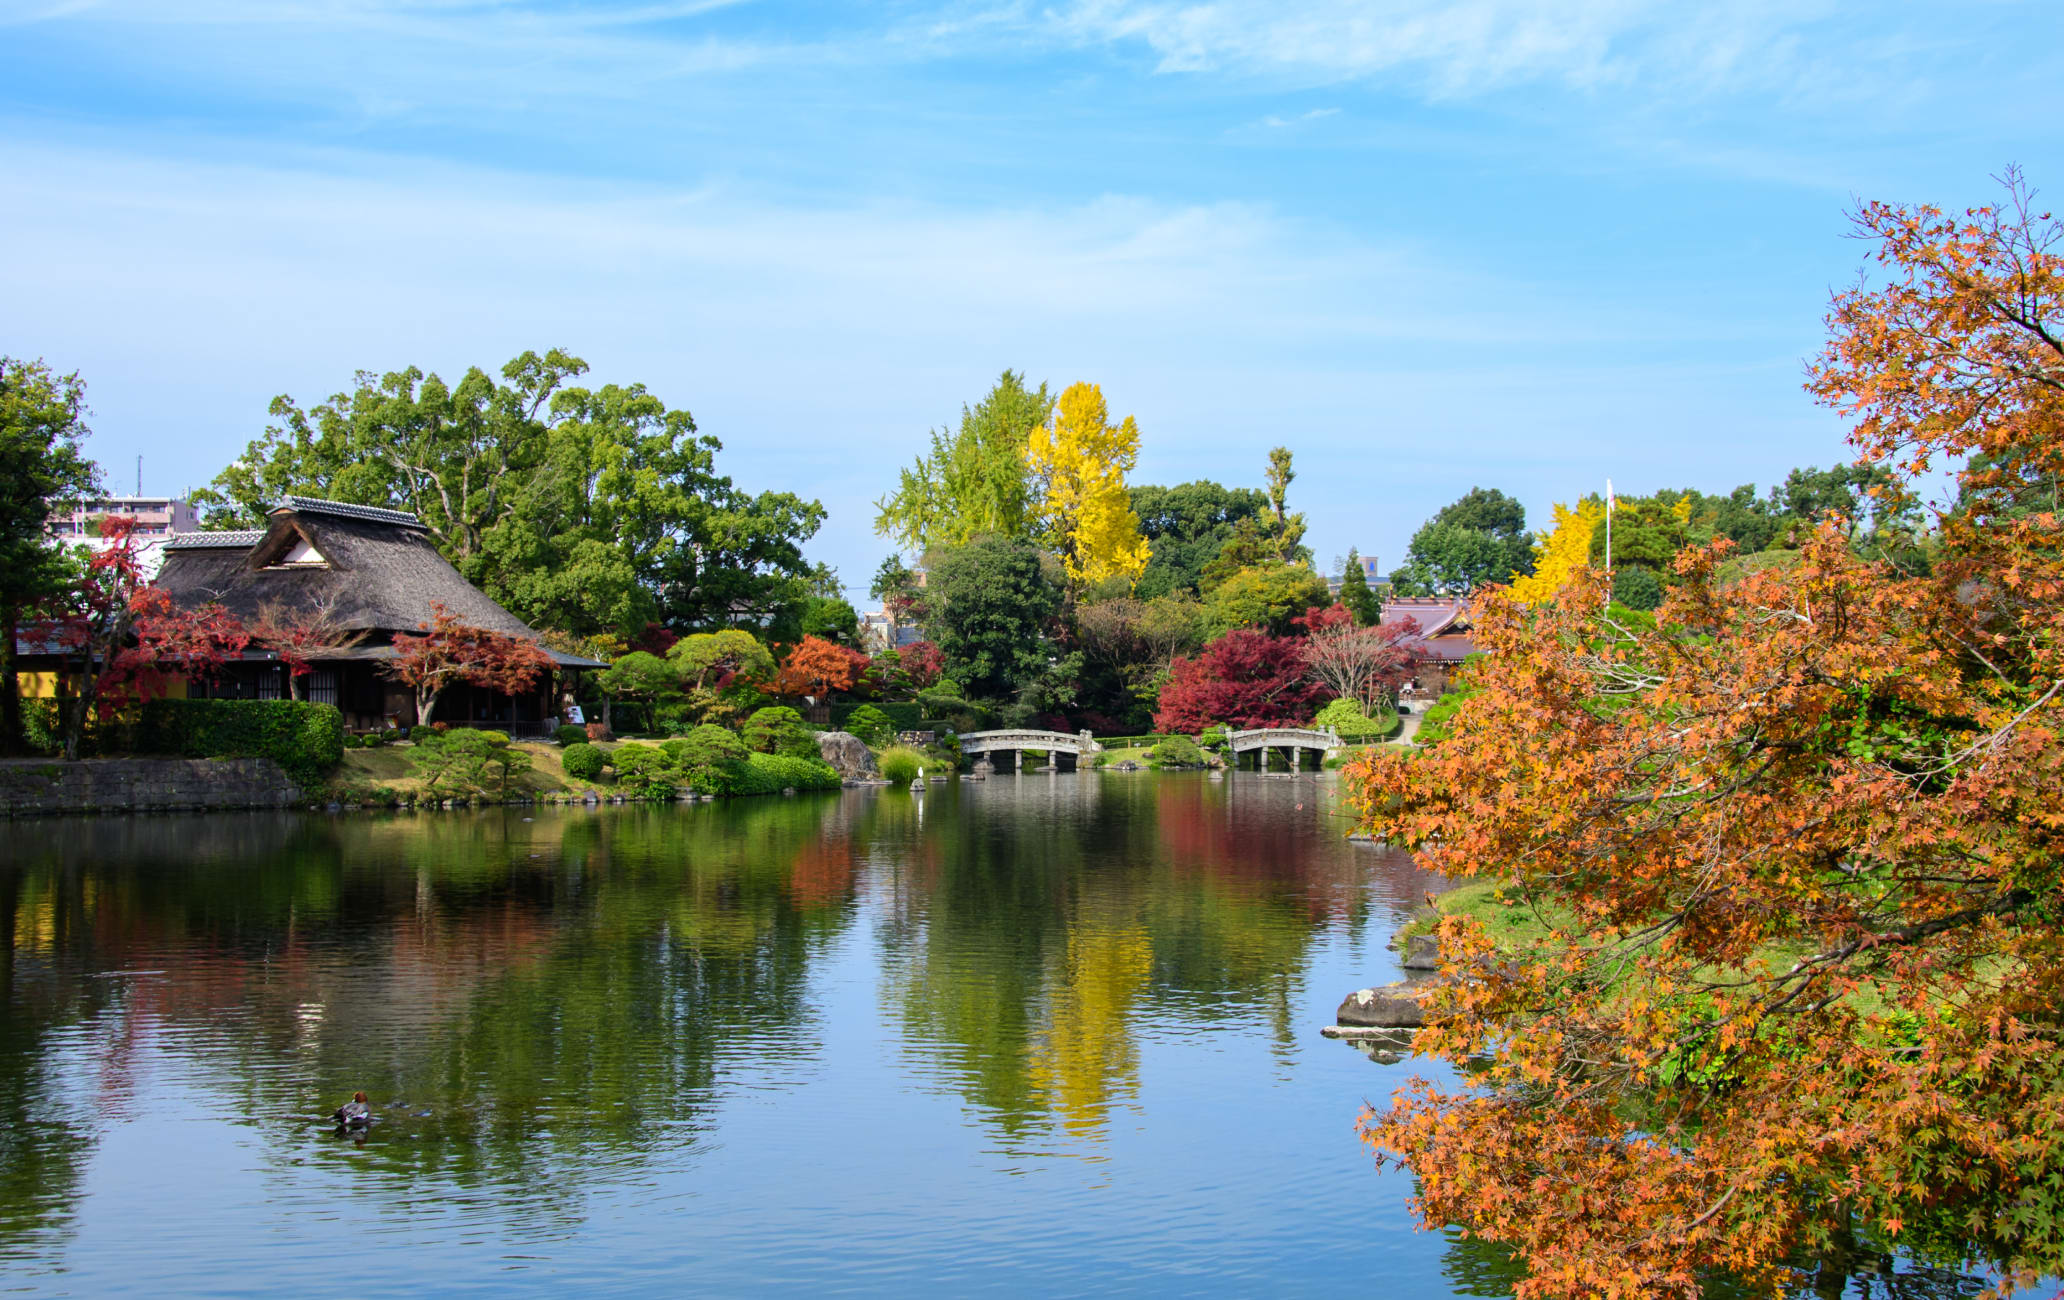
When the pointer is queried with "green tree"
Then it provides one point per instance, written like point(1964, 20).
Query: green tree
point(1273, 536)
point(871, 725)
point(830, 618)
point(583, 510)
point(42, 420)
point(992, 601)
point(641, 678)
point(1267, 597)
point(1188, 525)
point(1355, 593)
point(974, 482)
point(1473, 542)
point(779, 729)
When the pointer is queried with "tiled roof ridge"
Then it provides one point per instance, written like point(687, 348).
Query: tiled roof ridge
point(349, 510)
point(242, 537)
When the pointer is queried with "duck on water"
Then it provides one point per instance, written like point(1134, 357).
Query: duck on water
point(354, 1113)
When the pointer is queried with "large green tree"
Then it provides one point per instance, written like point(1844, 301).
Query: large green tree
point(1473, 542)
point(1269, 597)
point(42, 420)
point(1188, 525)
point(583, 510)
point(992, 601)
point(974, 482)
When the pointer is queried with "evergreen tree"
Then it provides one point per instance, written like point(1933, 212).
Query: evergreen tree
point(1355, 594)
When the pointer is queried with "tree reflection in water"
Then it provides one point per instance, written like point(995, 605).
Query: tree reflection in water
point(547, 1003)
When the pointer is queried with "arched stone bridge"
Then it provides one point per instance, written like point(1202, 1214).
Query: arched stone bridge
point(1004, 750)
point(1294, 742)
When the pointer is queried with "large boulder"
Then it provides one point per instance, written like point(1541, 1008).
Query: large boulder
point(848, 755)
point(1390, 1006)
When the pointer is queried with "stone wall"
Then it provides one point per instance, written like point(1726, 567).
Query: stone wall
point(32, 787)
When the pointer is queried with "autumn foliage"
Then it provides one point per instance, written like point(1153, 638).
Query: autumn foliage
point(1793, 849)
point(817, 667)
point(1246, 679)
point(128, 638)
point(447, 651)
point(1368, 665)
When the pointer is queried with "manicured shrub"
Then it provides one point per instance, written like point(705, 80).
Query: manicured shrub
point(709, 759)
point(1213, 738)
point(459, 761)
point(584, 762)
point(1176, 751)
point(353, 742)
point(779, 730)
point(568, 734)
point(306, 740)
point(871, 725)
point(773, 773)
point(645, 772)
point(1346, 717)
point(901, 764)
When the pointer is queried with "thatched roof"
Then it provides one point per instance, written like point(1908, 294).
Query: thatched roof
point(376, 570)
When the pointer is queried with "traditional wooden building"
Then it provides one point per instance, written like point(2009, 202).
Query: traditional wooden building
point(369, 573)
point(1444, 640)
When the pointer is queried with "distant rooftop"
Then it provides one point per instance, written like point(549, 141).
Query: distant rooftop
point(201, 541)
point(373, 514)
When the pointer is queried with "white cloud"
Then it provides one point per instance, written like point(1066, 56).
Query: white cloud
point(1456, 48)
point(1277, 122)
point(818, 342)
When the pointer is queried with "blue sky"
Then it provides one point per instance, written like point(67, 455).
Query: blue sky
point(1427, 244)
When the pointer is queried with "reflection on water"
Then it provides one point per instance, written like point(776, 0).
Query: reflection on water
point(1049, 1032)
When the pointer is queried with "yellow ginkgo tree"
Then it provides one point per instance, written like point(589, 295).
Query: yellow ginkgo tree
point(1079, 460)
point(1560, 552)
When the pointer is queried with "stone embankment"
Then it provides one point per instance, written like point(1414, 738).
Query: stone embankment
point(42, 787)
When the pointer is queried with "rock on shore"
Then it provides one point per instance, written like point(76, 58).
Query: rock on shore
point(1422, 952)
point(1388, 1006)
point(848, 755)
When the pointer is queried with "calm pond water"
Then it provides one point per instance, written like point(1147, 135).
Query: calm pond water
point(1048, 1034)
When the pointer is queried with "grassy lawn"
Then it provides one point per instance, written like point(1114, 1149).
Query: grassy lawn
point(1506, 916)
point(393, 766)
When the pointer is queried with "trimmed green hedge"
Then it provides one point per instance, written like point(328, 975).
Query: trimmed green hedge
point(773, 773)
point(1137, 742)
point(306, 740)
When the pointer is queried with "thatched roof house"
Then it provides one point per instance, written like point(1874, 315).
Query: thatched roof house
point(367, 572)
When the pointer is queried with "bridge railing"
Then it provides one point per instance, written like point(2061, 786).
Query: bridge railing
point(972, 742)
point(1307, 737)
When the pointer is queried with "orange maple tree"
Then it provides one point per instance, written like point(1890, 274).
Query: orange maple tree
point(817, 667)
point(1792, 848)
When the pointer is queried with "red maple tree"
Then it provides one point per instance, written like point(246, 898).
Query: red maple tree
point(1246, 678)
point(128, 637)
point(450, 651)
point(922, 663)
point(296, 634)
